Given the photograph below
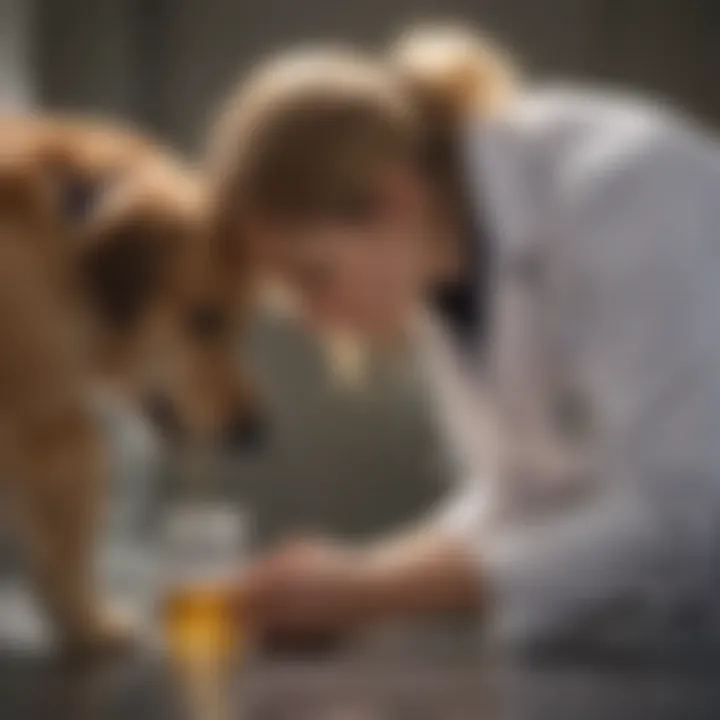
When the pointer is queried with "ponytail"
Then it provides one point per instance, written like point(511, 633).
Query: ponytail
point(454, 72)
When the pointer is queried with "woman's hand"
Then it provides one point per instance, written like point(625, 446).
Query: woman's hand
point(308, 589)
point(316, 589)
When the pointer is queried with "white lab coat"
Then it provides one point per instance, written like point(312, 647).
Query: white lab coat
point(599, 513)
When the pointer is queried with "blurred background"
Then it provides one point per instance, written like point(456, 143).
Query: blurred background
point(167, 63)
point(347, 460)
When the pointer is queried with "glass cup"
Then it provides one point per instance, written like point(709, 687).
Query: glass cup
point(203, 550)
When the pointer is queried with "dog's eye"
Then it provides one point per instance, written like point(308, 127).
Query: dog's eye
point(206, 323)
point(79, 198)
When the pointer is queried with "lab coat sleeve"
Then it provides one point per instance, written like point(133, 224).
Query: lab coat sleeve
point(645, 229)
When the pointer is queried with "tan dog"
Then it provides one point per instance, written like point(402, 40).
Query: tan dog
point(107, 270)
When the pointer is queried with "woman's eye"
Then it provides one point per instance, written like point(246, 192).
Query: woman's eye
point(206, 323)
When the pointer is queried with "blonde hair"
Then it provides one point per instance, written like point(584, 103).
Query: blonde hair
point(454, 71)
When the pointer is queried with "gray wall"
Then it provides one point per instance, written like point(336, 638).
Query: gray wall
point(84, 55)
point(168, 62)
point(17, 87)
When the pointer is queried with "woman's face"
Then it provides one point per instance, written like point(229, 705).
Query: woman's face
point(363, 270)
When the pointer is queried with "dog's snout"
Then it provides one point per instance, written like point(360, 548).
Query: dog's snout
point(246, 431)
point(161, 413)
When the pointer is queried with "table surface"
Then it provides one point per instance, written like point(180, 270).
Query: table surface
point(340, 688)
point(397, 673)
point(346, 688)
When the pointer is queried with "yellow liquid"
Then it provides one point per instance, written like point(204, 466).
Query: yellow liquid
point(202, 623)
point(203, 637)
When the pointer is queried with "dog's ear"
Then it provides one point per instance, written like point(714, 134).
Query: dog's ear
point(122, 268)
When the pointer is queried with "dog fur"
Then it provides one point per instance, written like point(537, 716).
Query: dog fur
point(108, 271)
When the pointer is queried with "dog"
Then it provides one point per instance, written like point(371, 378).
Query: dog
point(109, 273)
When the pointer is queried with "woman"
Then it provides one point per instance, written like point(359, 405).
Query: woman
point(367, 184)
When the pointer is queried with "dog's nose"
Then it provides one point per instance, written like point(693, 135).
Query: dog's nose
point(161, 413)
point(245, 431)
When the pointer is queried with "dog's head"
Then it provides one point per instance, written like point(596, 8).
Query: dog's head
point(167, 309)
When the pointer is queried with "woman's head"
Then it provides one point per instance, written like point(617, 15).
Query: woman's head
point(327, 172)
